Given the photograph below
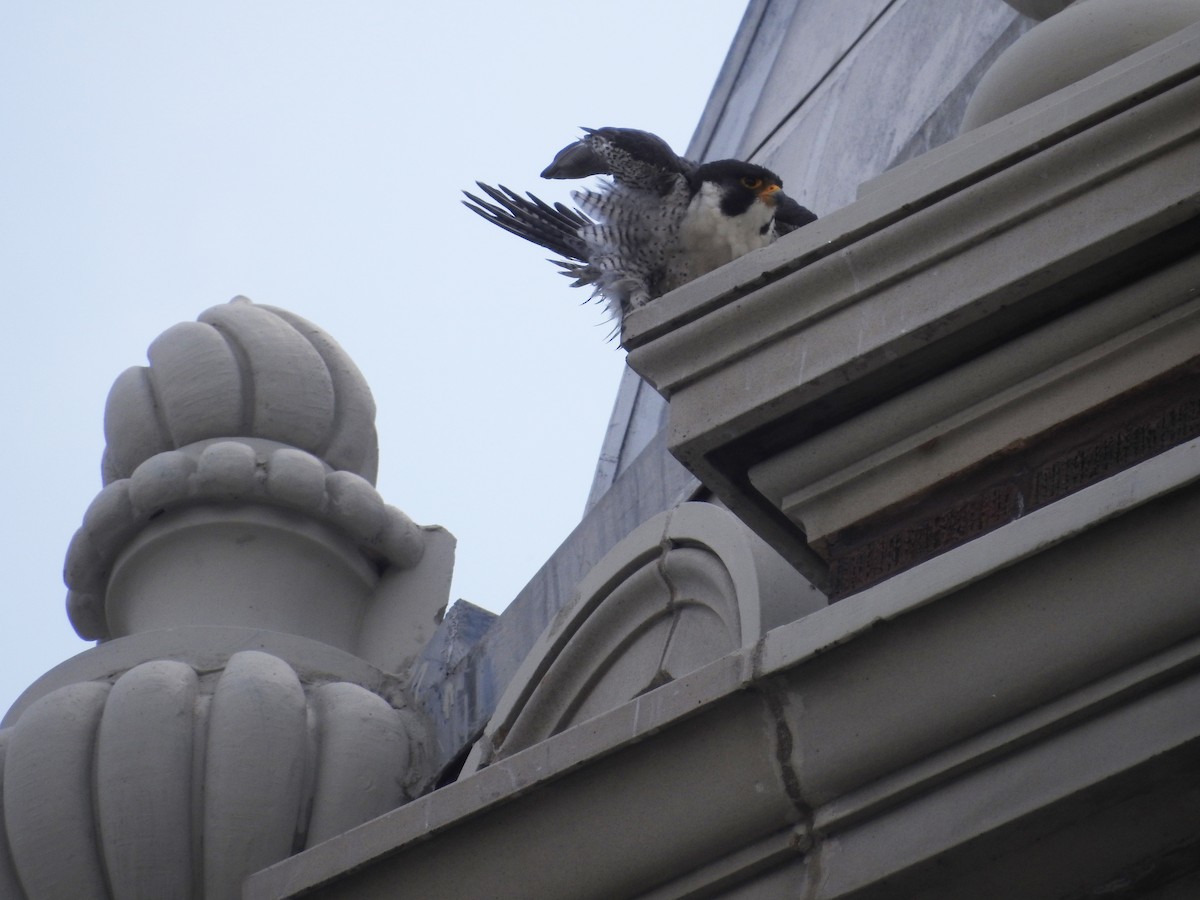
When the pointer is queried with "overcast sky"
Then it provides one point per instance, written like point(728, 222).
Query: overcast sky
point(157, 159)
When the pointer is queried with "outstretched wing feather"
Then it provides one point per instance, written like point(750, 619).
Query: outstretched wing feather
point(554, 227)
point(633, 157)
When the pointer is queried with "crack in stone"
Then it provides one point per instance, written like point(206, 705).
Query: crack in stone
point(806, 842)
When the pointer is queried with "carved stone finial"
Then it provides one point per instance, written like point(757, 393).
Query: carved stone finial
point(258, 606)
point(239, 492)
point(104, 785)
point(247, 371)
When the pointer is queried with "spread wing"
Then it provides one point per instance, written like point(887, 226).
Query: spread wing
point(557, 227)
point(554, 227)
point(635, 159)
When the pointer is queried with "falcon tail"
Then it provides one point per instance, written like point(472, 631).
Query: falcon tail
point(554, 227)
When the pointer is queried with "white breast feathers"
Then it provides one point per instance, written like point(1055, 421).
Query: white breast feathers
point(710, 238)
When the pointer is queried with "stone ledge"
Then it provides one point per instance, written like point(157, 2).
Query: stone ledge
point(1009, 232)
point(835, 746)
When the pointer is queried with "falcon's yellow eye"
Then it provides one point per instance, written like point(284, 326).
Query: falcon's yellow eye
point(749, 181)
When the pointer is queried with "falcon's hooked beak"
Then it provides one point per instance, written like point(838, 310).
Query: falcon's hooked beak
point(767, 194)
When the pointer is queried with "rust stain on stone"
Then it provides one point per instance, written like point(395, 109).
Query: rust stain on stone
point(1025, 476)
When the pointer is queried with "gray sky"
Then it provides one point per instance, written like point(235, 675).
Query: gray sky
point(157, 159)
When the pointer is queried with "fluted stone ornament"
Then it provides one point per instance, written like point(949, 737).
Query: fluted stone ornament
point(193, 786)
point(1082, 39)
point(246, 370)
point(257, 604)
point(249, 438)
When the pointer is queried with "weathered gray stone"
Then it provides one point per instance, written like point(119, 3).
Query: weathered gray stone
point(145, 754)
point(837, 94)
point(305, 391)
point(981, 723)
point(51, 832)
point(920, 739)
point(259, 609)
point(1012, 716)
point(461, 703)
point(683, 589)
point(966, 256)
point(338, 523)
point(1075, 43)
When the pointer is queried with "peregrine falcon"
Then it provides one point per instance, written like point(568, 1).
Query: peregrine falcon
point(658, 223)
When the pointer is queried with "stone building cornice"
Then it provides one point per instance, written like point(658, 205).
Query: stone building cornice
point(822, 387)
point(824, 748)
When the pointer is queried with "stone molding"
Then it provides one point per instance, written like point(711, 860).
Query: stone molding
point(227, 472)
point(879, 321)
point(200, 525)
point(460, 698)
point(282, 764)
point(913, 740)
point(682, 590)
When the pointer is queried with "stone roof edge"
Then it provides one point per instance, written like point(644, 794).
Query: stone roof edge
point(742, 735)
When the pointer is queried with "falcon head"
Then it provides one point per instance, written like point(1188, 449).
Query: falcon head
point(735, 207)
point(740, 184)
